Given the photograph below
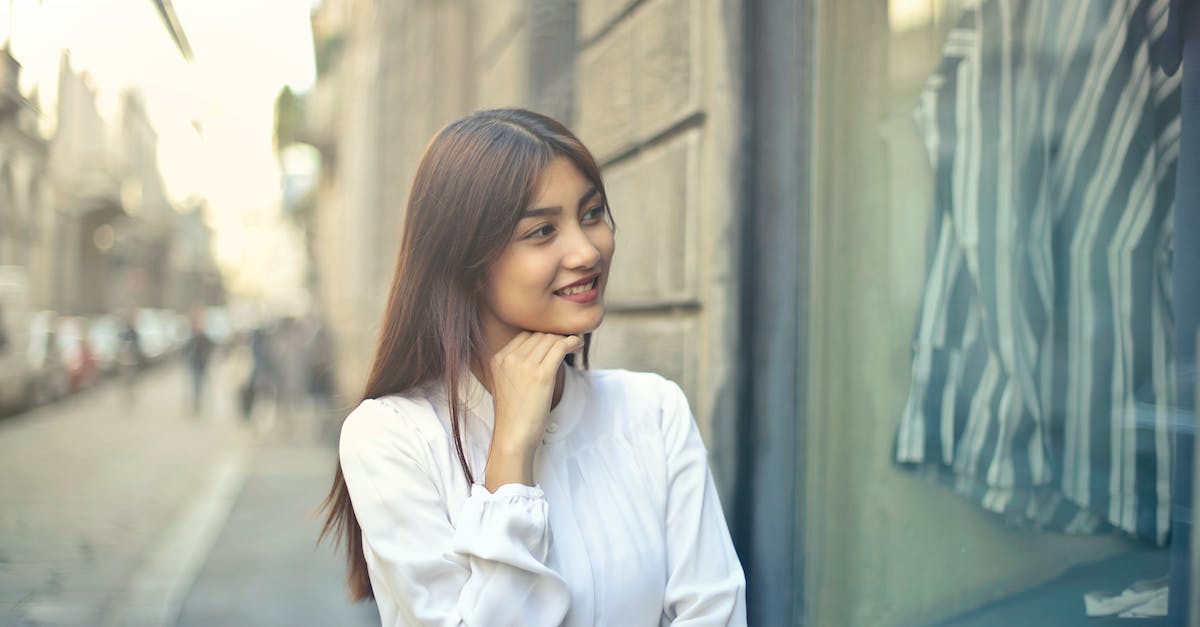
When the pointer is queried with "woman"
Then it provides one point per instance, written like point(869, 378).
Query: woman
point(542, 494)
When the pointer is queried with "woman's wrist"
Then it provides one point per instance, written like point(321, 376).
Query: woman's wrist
point(515, 438)
point(508, 464)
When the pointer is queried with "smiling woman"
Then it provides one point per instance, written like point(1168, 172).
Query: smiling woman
point(478, 439)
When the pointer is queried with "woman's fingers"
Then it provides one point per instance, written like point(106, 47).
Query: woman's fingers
point(558, 349)
point(549, 349)
point(514, 345)
point(538, 351)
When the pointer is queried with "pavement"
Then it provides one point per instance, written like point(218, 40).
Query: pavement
point(125, 507)
point(272, 527)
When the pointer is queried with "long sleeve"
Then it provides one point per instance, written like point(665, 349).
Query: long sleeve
point(490, 570)
point(705, 582)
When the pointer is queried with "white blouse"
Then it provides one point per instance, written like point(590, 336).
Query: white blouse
point(623, 527)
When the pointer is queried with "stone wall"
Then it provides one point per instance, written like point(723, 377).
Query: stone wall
point(656, 104)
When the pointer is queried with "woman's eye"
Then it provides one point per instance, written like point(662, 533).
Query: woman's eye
point(593, 214)
point(540, 232)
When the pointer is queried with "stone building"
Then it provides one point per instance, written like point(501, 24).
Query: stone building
point(25, 220)
point(121, 240)
point(87, 196)
point(193, 272)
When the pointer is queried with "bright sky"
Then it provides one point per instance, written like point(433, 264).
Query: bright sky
point(245, 51)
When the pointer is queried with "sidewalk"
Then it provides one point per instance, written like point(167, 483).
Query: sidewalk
point(242, 551)
point(89, 485)
point(264, 568)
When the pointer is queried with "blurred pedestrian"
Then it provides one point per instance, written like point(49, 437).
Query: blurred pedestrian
point(262, 371)
point(197, 353)
point(485, 477)
point(291, 406)
point(130, 358)
point(320, 352)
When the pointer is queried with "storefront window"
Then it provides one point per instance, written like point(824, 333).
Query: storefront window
point(1017, 160)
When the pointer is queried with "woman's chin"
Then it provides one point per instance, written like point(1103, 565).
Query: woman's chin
point(575, 328)
point(591, 325)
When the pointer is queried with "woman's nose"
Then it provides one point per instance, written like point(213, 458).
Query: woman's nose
point(581, 250)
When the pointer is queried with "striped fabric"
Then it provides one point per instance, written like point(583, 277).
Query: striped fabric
point(1042, 362)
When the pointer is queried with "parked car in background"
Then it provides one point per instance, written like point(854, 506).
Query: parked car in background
point(76, 352)
point(15, 376)
point(218, 324)
point(179, 330)
point(153, 334)
point(48, 373)
point(104, 335)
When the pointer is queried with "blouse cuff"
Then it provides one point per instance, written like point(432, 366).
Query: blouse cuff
point(510, 492)
point(508, 525)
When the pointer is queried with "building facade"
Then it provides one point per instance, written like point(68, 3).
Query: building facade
point(26, 223)
point(120, 239)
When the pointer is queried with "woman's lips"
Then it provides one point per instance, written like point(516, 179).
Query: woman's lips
point(583, 294)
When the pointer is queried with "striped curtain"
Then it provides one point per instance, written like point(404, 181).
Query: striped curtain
point(1042, 358)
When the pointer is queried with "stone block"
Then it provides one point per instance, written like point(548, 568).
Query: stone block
point(605, 103)
point(596, 14)
point(641, 77)
point(653, 200)
point(668, 49)
point(495, 20)
point(663, 344)
point(502, 81)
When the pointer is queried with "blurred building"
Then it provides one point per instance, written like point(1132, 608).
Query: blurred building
point(121, 240)
point(193, 272)
point(26, 224)
point(87, 197)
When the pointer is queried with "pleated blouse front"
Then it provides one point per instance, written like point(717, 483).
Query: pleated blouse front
point(623, 526)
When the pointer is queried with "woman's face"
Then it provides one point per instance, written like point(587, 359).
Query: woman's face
point(552, 276)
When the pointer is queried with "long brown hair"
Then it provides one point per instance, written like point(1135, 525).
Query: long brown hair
point(474, 180)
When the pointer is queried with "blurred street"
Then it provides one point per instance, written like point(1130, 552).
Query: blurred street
point(123, 507)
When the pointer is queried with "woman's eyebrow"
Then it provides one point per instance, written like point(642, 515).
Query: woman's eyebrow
point(541, 211)
point(592, 191)
point(552, 211)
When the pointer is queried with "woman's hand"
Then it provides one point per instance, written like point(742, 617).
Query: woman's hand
point(523, 375)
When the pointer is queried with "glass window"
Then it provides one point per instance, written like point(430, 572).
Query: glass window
point(997, 196)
